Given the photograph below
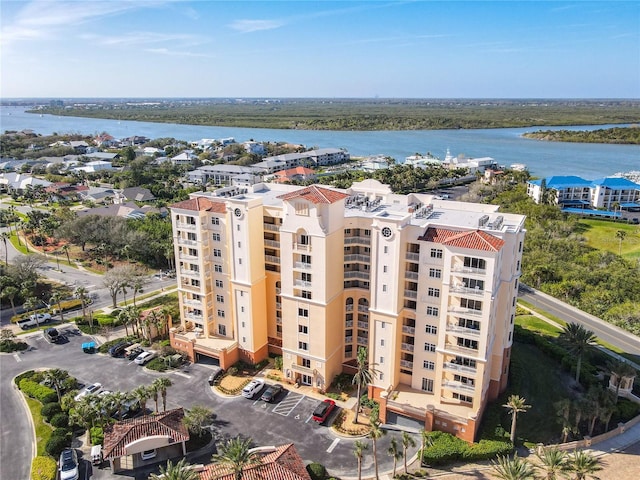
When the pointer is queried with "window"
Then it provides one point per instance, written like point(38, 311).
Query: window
point(222, 330)
point(386, 249)
point(465, 380)
point(193, 252)
point(217, 252)
point(382, 342)
point(304, 240)
point(303, 329)
point(215, 237)
point(190, 220)
point(436, 253)
point(428, 365)
point(192, 236)
point(303, 312)
point(305, 258)
point(239, 261)
point(306, 277)
point(435, 273)
point(471, 304)
point(239, 244)
point(367, 233)
point(384, 269)
point(195, 283)
point(473, 262)
point(243, 325)
point(215, 221)
point(520, 247)
point(302, 208)
point(433, 292)
point(473, 283)
point(219, 298)
point(381, 360)
point(463, 398)
point(306, 294)
point(432, 329)
point(306, 363)
point(219, 283)
point(433, 311)
point(466, 343)
point(427, 385)
point(242, 309)
point(381, 376)
point(384, 288)
point(217, 268)
point(468, 323)
point(303, 345)
point(221, 313)
point(429, 347)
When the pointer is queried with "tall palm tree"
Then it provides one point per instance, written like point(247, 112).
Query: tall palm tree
point(162, 384)
point(579, 341)
point(426, 442)
point(584, 465)
point(120, 400)
point(621, 235)
point(55, 377)
point(515, 404)
point(358, 451)
point(236, 454)
point(142, 394)
point(515, 468)
point(620, 369)
point(83, 295)
point(375, 434)
point(363, 377)
point(395, 453)
point(56, 298)
point(10, 292)
point(5, 236)
point(407, 441)
point(65, 249)
point(197, 418)
point(553, 462)
point(154, 390)
point(176, 471)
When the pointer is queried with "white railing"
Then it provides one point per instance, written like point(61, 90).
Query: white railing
point(301, 283)
point(192, 303)
point(348, 339)
point(414, 257)
point(363, 308)
point(467, 290)
point(349, 307)
point(453, 347)
point(406, 364)
point(301, 368)
point(364, 325)
point(462, 387)
point(271, 227)
point(348, 323)
point(463, 269)
point(411, 294)
point(357, 240)
point(185, 226)
point(272, 243)
point(190, 273)
point(454, 367)
point(411, 275)
point(193, 316)
point(184, 256)
point(360, 275)
point(466, 311)
point(463, 330)
point(278, 306)
point(408, 329)
point(302, 247)
point(302, 265)
point(184, 241)
point(363, 341)
point(407, 347)
point(272, 259)
point(357, 258)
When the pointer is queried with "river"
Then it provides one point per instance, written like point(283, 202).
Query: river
point(505, 145)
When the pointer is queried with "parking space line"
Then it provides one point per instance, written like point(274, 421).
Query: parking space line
point(254, 403)
point(333, 445)
point(310, 417)
point(182, 374)
point(17, 357)
point(285, 407)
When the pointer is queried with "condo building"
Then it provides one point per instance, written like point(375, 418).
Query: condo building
point(427, 286)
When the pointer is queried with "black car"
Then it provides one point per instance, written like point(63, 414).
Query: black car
point(134, 353)
point(271, 393)
point(51, 335)
point(118, 349)
point(217, 373)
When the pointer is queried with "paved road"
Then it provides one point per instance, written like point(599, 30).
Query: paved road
point(607, 332)
point(286, 420)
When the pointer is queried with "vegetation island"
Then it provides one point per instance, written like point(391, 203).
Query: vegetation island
point(618, 135)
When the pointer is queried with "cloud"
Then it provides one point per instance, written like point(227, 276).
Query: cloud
point(145, 38)
point(177, 53)
point(248, 26)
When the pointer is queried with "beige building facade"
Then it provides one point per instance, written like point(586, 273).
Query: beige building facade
point(428, 286)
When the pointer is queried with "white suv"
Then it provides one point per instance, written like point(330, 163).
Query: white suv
point(253, 387)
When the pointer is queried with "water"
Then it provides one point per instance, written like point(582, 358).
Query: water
point(505, 145)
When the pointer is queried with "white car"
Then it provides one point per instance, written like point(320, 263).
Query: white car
point(68, 465)
point(89, 390)
point(149, 454)
point(41, 317)
point(253, 387)
point(144, 357)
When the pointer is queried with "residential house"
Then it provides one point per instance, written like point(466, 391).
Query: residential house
point(98, 195)
point(254, 148)
point(94, 166)
point(187, 158)
point(312, 158)
point(220, 174)
point(298, 174)
point(123, 210)
point(19, 182)
point(134, 194)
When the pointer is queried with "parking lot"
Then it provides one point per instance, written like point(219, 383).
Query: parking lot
point(287, 420)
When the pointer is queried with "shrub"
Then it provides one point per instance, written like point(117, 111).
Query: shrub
point(49, 410)
point(335, 396)
point(277, 363)
point(97, 436)
point(626, 409)
point(233, 371)
point(60, 420)
point(44, 468)
point(39, 392)
point(447, 448)
point(104, 348)
point(28, 374)
point(157, 364)
point(9, 346)
point(317, 471)
point(60, 439)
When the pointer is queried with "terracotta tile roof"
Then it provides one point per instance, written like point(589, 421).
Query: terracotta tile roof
point(473, 240)
point(315, 195)
point(295, 171)
point(198, 204)
point(282, 464)
point(122, 433)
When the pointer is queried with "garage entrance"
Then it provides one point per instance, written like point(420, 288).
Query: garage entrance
point(394, 418)
point(207, 360)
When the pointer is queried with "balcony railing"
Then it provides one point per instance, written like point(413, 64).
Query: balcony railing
point(185, 256)
point(411, 294)
point(278, 306)
point(271, 227)
point(364, 325)
point(408, 329)
point(406, 364)
point(348, 323)
point(190, 273)
point(463, 269)
point(303, 247)
point(363, 308)
point(356, 274)
point(192, 303)
point(454, 347)
point(186, 226)
point(184, 241)
point(272, 243)
point(465, 311)
point(357, 240)
point(348, 339)
point(357, 258)
point(414, 257)
point(272, 259)
point(302, 369)
point(278, 291)
point(301, 283)
point(408, 274)
point(363, 341)
point(188, 286)
point(459, 386)
point(302, 266)
point(463, 330)
point(349, 307)
point(194, 317)
point(407, 347)
point(454, 367)
point(279, 320)
point(467, 290)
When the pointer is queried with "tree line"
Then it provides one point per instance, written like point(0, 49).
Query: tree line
point(619, 135)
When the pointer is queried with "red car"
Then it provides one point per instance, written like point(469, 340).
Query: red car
point(323, 410)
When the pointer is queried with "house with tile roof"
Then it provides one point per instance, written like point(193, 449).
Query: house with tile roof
point(276, 463)
point(294, 174)
point(125, 440)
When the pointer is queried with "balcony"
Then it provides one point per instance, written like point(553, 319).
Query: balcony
point(406, 364)
point(192, 303)
point(302, 266)
point(189, 287)
point(459, 387)
point(414, 257)
point(301, 283)
point(348, 339)
point(407, 347)
point(357, 258)
point(186, 226)
point(185, 256)
point(357, 241)
point(272, 243)
point(302, 369)
point(184, 241)
point(363, 325)
point(408, 329)
point(409, 275)
point(271, 227)
point(465, 311)
point(357, 274)
point(454, 367)
point(278, 291)
point(469, 352)
point(463, 269)
point(363, 308)
point(348, 323)
point(471, 332)
point(411, 294)
point(301, 247)
point(348, 307)
point(190, 273)
point(193, 317)
point(279, 320)
point(363, 341)
point(467, 290)
point(278, 306)
point(272, 259)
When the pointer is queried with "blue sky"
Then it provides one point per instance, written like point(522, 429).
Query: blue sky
point(419, 49)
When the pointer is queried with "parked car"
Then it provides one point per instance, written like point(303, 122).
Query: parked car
point(144, 357)
point(323, 410)
point(52, 335)
point(118, 349)
point(34, 320)
point(252, 388)
point(271, 393)
point(41, 317)
point(69, 465)
point(133, 353)
point(88, 390)
point(217, 373)
point(149, 454)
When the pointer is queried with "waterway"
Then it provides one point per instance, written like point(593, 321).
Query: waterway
point(505, 145)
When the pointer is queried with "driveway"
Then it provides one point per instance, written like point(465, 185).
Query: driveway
point(288, 420)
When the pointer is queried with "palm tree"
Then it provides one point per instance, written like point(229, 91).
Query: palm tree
point(57, 299)
point(154, 390)
point(375, 433)
point(620, 369)
point(83, 296)
point(584, 465)
point(120, 400)
point(395, 453)
point(162, 384)
point(554, 462)
point(197, 418)
point(363, 377)
point(65, 249)
point(142, 394)
point(30, 304)
point(136, 286)
point(620, 234)
point(426, 442)
point(407, 441)
point(176, 471)
point(358, 451)
point(515, 468)
point(515, 404)
point(5, 236)
point(55, 377)
point(10, 292)
point(236, 454)
point(578, 341)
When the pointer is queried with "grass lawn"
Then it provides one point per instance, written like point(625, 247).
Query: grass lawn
point(43, 431)
point(533, 323)
point(601, 234)
point(541, 382)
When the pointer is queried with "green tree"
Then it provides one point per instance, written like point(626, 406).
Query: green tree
point(55, 378)
point(515, 404)
point(83, 295)
point(236, 454)
point(425, 442)
point(553, 463)
point(363, 376)
point(10, 293)
point(515, 468)
point(142, 394)
point(395, 453)
point(407, 442)
point(176, 471)
point(197, 418)
point(584, 465)
point(359, 448)
point(621, 235)
point(5, 237)
point(57, 300)
point(579, 341)
point(162, 384)
point(375, 434)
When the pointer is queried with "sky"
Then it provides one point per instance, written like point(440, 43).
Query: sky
point(339, 49)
